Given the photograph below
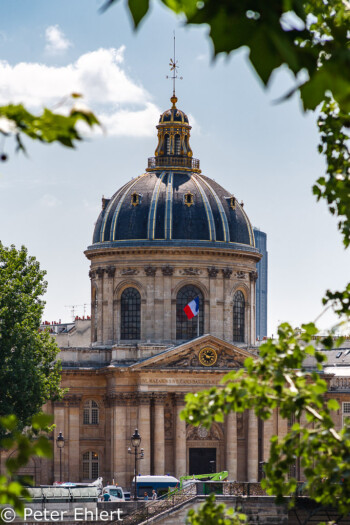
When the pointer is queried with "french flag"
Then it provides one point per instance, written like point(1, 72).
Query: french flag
point(192, 308)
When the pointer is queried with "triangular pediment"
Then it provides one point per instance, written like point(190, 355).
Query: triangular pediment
point(206, 352)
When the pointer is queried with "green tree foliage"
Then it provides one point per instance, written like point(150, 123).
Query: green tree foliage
point(24, 445)
point(29, 374)
point(48, 127)
point(311, 38)
point(278, 379)
point(212, 514)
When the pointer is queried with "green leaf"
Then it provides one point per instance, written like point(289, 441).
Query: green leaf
point(333, 404)
point(138, 9)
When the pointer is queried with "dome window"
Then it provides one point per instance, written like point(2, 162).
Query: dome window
point(189, 329)
point(188, 199)
point(135, 199)
point(231, 202)
point(167, 145)
point(238, 317)
point(130, 314)
point(177, 145)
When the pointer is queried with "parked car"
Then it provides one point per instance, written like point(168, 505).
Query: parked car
point(127, 496)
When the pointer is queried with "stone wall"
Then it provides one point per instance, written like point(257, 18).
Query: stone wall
point(158, 274)
point(260, 510)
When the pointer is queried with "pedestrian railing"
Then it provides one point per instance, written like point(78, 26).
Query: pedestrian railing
point(171, 500)
point(156, 507)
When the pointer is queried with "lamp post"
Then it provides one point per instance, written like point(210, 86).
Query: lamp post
point(60, 445)
point(136, 442)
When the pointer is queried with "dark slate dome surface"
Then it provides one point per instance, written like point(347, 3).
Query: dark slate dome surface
point(173, 115)
point(173, 208)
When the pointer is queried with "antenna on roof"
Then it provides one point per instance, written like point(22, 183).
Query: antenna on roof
point(73, 308)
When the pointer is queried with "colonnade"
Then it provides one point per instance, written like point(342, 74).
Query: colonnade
point(146, 411)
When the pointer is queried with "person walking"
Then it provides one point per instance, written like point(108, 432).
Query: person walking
point(154, 495)
point(145, 496)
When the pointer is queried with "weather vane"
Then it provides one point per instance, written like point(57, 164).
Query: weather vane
point(173, 68)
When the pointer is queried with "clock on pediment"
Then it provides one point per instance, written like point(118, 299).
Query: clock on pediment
point(207, 356)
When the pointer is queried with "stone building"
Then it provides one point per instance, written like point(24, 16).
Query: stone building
point(164, 238)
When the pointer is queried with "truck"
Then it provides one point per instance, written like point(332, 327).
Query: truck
point(116, 493)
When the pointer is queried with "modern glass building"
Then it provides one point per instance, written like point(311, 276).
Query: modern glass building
point(261, 285)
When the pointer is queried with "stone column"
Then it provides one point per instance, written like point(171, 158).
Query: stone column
point(108, 310)
point(99, 273)
point(159, 443)
point(119, 444)
point(92, 275)
point(180, 439)
point(149, 314)
point(144, 426)
point(252, 447)
point(227, 306)
point(212, 273)
point(253, 277)
point(108, 439)
point(269, 431)
point(59, 413)
point(167, 273)
point(282, 426)
point(231, 446)
point(73, 437)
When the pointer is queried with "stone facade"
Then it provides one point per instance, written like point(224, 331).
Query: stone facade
point(158, 289)
point(169, 232)
point(149, 395)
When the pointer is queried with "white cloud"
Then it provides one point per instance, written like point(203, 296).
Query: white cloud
point(139, 123)
point(56, 42)
point(123, 106)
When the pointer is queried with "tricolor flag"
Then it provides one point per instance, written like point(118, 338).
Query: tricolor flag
point(192, 309)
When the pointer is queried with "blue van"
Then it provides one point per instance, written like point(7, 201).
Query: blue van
point(161, 484)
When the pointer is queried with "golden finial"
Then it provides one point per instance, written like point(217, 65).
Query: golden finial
point(173, 68)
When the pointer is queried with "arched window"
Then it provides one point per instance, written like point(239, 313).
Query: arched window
point(166, 145)
point(130, 314)
point(90, 465)
point(177, 145)
point(187, 329)
point(90, 413)
point(238, 317)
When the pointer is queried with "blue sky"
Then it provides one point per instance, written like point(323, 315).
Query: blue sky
point(265, 153)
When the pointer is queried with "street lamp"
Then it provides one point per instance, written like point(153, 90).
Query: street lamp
point(60, 445)
point(136, 442)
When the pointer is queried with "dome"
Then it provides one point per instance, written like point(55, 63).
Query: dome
point(173, 208)
point(173, 203)
point(173, 115)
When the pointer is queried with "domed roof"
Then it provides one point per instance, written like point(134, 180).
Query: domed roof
point(173, 208)
point(173, 204)
point(173, 115)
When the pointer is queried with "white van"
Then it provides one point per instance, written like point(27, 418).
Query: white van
point(115, 493)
